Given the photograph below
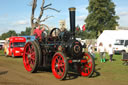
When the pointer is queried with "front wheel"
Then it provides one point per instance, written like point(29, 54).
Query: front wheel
point(87, 68)
point(59, 66)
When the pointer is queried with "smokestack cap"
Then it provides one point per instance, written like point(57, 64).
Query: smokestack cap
point(72, 9)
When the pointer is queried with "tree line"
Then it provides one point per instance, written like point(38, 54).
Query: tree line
point(13, 33)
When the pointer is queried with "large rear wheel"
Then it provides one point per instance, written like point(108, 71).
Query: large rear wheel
point(39, 52)
point(31, 57)
point(59, 66)
point(87, 68)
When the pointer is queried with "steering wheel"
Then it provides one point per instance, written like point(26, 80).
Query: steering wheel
point(55, 32)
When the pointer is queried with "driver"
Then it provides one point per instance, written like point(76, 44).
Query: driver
point(38, 32)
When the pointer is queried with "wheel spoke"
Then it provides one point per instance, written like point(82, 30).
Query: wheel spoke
point(33, 54)
point(90, 63)
point(32, 58)
point(60, 72)
point(26, 53)
point(58, 58)
point(87, 58)
point(32, 62)
point(87, 66)
point(62, 68)
point(60, 61)
point(32, 48)
point(84, 70)
point(62, 65)
point(88, 70)
point(57, 61)
point(27, 62)
point(29, 49)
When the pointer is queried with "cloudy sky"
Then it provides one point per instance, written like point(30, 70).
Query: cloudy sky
point(15, 14)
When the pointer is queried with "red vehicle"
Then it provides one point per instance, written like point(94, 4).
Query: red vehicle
point(16, 46)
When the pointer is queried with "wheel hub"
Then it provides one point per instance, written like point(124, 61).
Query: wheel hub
point(56, 65)
point(29, 56)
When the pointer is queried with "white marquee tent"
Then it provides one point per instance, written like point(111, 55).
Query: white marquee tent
point(109, 37)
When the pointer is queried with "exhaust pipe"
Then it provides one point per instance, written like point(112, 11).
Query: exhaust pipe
point(72, 21)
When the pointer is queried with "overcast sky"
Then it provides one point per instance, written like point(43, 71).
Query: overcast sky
point(15, 14)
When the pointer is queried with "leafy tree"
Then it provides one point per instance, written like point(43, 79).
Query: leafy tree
point(77, 28)
point(85, 35)
point(101, 16)
point(13, 33)
point(8, 34)
point(26, 32)
point(77, 31)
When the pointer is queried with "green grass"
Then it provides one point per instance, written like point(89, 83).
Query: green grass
point(1, 52)
point(112, 70)
point(108, 71)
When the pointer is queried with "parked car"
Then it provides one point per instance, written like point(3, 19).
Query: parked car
point(120, 46)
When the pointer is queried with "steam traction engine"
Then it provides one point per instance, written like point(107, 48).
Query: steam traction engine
point(61, 52)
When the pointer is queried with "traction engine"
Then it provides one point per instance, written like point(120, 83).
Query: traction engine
point(62, 52)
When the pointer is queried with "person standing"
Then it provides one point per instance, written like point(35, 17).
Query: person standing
point(91, 51)
point(110, 52)
point(101, 50)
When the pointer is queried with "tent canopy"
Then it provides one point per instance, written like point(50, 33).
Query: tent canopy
point(110, 36)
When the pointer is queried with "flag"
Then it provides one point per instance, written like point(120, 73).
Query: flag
point(78, 28)
point(83, 27)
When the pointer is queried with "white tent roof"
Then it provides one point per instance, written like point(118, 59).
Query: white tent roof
point(109, 36)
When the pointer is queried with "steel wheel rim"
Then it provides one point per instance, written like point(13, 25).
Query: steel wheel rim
point(29, 56)
point(86, 67)
point(58, 66)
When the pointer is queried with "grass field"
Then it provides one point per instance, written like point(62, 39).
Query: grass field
point(112, 71)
